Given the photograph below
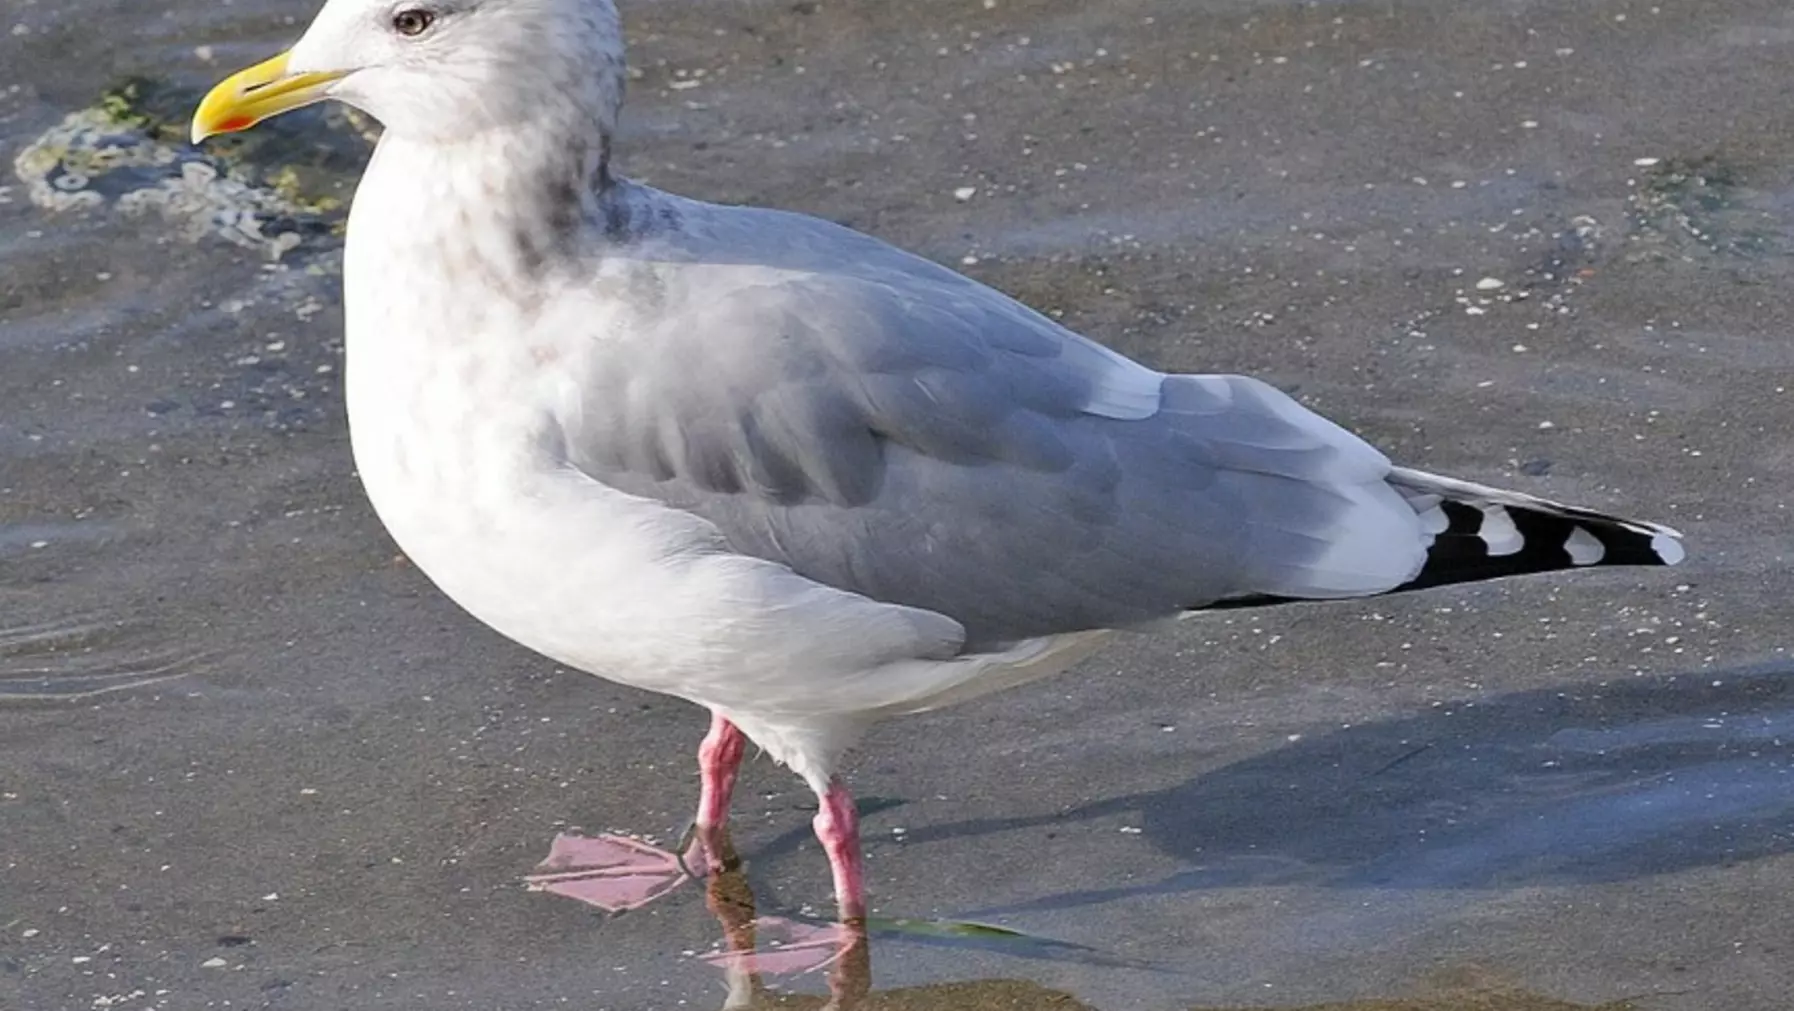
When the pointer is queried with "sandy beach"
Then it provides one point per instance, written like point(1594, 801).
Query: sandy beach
point(251, 758)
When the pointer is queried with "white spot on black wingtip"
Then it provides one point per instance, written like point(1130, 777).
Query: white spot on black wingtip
point(1498, 531)
point(1668, 548)
point(1433, 520)
point(1583, 547)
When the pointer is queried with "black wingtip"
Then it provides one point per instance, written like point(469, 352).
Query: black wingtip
point(1492, 541)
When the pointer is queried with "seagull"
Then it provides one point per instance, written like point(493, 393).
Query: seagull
point(779, 468)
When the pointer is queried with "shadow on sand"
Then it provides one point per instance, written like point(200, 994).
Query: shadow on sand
point(1645, 776)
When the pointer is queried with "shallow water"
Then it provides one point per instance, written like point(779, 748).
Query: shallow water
point(250, 758)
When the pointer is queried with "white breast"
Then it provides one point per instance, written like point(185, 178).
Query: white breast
point(455, 391)
point(451, 420)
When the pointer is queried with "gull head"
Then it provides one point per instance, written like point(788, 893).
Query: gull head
point(440, 70)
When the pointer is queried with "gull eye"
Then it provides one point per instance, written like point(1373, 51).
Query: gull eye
point(413, 21)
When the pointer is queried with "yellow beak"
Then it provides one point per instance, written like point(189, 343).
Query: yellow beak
point(247, 97)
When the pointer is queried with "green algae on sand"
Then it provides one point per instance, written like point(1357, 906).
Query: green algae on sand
point(276, 190)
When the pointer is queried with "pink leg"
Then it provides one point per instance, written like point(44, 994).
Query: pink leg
point(619, 874)
point(612, 872)
point(838, 829)
point(719, 759)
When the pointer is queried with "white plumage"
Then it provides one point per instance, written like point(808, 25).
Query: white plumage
point(779, 468)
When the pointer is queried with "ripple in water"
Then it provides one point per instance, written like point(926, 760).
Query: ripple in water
point(79, 658)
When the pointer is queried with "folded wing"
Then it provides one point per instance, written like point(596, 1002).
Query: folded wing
point(920, 439)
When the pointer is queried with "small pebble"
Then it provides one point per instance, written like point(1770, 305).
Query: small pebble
point(965, 193)
point(1490, 284)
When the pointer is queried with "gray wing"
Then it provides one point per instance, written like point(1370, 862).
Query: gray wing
point(923, 440)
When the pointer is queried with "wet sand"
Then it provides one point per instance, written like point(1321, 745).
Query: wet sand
point(251, 758)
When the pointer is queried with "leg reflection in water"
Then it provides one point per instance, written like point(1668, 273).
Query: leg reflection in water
point(800, 947)
point(618, 874)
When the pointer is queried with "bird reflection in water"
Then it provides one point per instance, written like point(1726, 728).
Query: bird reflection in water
point(756, 947)
point(615, 881)
point(842, 948)
point(603, 873)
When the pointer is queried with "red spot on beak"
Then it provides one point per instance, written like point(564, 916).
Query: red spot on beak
point(235, 123)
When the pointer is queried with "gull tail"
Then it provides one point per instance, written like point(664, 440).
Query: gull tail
point(1487, 533)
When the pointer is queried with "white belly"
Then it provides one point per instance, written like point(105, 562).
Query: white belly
point(457, 446)
point(458, 450)
point(452, 423)
point(455, 396)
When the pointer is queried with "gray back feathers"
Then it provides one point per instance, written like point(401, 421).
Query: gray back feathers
point(891, 428)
